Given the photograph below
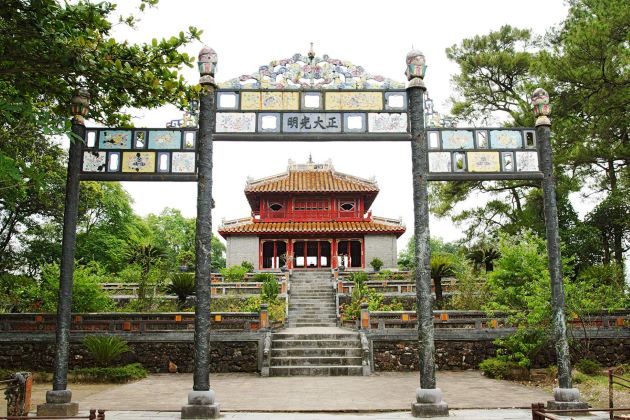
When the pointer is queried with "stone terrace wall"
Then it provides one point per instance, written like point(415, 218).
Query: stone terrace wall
point(227, 354)
point(400, 353)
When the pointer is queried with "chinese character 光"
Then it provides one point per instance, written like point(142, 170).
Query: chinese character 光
point(305, 123)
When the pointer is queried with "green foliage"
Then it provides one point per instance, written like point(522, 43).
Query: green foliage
point(442, 265)
point(105, 348)
point(235, 273)
point(247, 265)
point(589, 367)
point(579, 377)
point(182, 285)
point(499, 369)
point(376, 264)
point(270, 287)
point(276, 307)
point(87, 294)
point(471, 289)
point(15, 292)
point(116, 375)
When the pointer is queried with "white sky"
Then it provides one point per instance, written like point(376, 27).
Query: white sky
point(247, 34)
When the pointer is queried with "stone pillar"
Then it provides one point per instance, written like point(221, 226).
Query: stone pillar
point(565, 396)
point(59, 399)
point(201, 400)
point(264, 316)
point(428, 398)
point(365, 317)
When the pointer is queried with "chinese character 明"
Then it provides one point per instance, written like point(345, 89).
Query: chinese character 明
point(293, 122)
point(332, 122)
point(305, 123)
point(319, 123)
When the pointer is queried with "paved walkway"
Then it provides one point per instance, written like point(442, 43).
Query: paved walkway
point(252, 393)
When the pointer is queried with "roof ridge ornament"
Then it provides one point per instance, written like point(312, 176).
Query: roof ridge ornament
point(311, 72)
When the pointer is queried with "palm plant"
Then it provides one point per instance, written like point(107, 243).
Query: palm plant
point(182, 285)
point(442, 265)
point(105, 348)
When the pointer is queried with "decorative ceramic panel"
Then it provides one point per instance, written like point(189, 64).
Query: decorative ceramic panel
point(94, 161)
point(457, 139)
point(235, 122)
point(311, 122)
point(354, 101)
point(183, 162)
point(387, 123)
point(507, 161)
point(506, 139)
point(527, 161)
point(166, 139)
point(115, 139)
point(439, 162)
point(484, 162)
point(138, 162)
point(302, 72)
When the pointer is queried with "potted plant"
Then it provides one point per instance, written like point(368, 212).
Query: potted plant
point(342, 266)
point(376, 264)
point(284, 260)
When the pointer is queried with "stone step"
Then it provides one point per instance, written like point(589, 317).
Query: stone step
point(316, 361)
point(317, 351)
point(315, 371)
point(341, 335)
point(312, 324)
point(310, 318)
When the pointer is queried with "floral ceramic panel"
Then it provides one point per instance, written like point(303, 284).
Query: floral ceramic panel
point(235, 122)
point(387, 123)
point(165, 139)
point(311, 122)
point(457, 139)
point(94, 161)
point(270, 101)
point(527, 161)
point(439, 162)
point(354, 101)
point(183, 162)
point(506, 139)
point(115, 139)
point(302, 72)
point(484, 162)
point(141, 162)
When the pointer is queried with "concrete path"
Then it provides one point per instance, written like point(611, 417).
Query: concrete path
point(251, 393)
point(509, 414)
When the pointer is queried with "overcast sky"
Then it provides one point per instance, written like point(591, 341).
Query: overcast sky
point(247, 34)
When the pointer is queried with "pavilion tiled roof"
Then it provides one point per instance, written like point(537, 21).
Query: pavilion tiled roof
point(248, 226)
point(311, 178)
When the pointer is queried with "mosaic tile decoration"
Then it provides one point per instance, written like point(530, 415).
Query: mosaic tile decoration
point(235, 122)
point(138, 162)
point(167, 139)
point(484, 162)
point(94, 161)
point(115, 139)
point(353, 101)
point(387, 123)
point(183, 162)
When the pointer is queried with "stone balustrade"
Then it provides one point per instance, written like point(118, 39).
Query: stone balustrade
point(135, 322)
point(396, 286)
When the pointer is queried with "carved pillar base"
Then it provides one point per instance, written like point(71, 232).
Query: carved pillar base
point(58, 403)
point(429, 404)
point(201, 405)
point(566, 399)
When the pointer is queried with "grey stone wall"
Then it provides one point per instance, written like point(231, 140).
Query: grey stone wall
point(383, 247)
point(225, 356)
point(241, 248)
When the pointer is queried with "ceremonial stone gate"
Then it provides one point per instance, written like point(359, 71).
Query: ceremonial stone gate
point(307, 98)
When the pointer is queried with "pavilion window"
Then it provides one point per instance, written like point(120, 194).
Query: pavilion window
point(273, 254)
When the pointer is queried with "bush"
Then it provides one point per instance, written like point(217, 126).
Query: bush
point(182, 285)
point(589, 367)
point(235, 273)
point(263, 277)
point(579, 377)
point(248, 266)
point(376, 264)
point(270, 289)
point(501, 369)
point(117, 375)
point(105, 348)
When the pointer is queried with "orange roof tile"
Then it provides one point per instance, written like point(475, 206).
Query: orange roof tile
point(312, 181)
point(244, 227)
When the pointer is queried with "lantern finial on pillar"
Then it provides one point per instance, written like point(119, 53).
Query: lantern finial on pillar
point(80, 105)
point(416, 68)
point(207, 65)
point(541, 106)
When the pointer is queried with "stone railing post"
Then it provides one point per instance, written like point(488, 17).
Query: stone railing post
point(264, 316)
point(365, 317)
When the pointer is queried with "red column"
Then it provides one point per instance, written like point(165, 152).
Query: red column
point(333, 253)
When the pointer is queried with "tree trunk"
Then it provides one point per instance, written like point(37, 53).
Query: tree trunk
point(617, 230)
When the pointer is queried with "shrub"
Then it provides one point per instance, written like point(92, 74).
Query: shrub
point(589, 367)
point(579, 377)
point(182, 285)
point(263, 277)
point(376, 264)
point(358, 278)
point(248, 266)
point(118, 375)
point(270, 290)
point(501, 369)
point(105, 348)
point(235, 273)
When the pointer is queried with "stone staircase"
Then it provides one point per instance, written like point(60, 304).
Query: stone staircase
point(312, 300)
point(313, 345)
point(318, 352)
